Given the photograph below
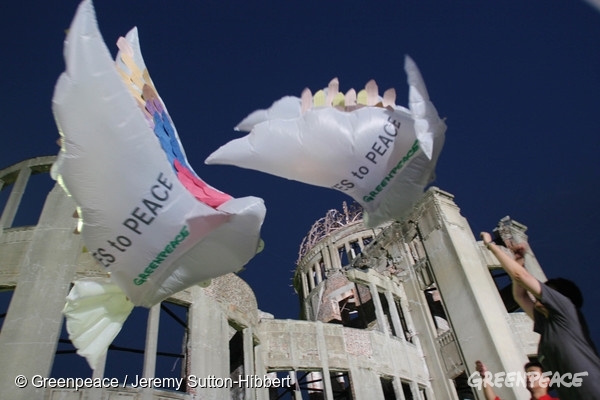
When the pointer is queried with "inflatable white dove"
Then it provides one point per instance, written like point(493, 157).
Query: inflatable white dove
point(146, 216)
point(381, 154)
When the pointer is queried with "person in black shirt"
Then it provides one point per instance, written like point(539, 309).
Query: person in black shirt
point(555, 306)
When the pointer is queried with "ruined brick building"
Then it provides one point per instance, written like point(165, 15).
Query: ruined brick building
point(397, 312)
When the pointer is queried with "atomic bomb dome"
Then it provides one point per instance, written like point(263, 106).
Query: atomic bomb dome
point(400, 311)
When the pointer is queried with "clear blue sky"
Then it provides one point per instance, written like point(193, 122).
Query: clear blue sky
point(517, 81)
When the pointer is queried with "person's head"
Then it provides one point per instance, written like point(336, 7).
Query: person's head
point(536, 382)
point(568, 289)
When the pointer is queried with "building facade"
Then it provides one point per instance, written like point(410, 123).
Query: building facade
point(400, 312)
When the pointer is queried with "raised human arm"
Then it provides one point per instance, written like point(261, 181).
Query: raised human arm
point(488, 392)
point(521, 296)
point(523, 281)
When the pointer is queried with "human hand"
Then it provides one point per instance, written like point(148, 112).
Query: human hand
point(486, 237)
point(480, 367)
point(519, 250)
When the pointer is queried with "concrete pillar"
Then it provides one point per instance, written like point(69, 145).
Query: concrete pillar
point(305, 289)
point(334, 255)
point(308, 312)
point(366, 383)
point(260, 369)
point(394, 315)
point(381, 321)
point(418, 320)
point(348, 251)
point(398, 389)
point(98, 373)
point(410, 324)
point(311, 279)
point(33, 323)
point(209, 345)
point(297, 393)
point(149, 370)
point(475, 311)
point(14, 199)
point(414, 389)
point(248, 339)
point(317, 269)
point(326, 258)
point(322, 347)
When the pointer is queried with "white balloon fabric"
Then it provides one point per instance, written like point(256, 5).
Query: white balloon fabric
point(380, 154)
point(92, 328)
point(146, 216)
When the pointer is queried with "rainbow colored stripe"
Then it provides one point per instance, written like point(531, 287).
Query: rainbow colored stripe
point(137, 79)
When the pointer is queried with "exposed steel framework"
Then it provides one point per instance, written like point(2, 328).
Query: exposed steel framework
point(332, 221)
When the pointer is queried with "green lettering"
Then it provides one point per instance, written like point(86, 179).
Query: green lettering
point(160, 257)
point(393, 171)
point(138, 281)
